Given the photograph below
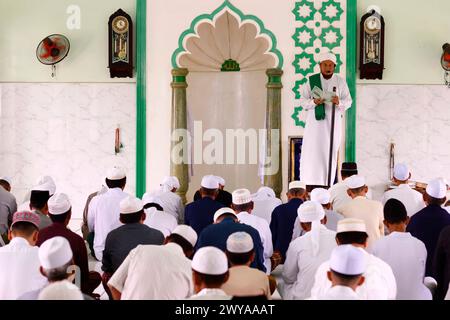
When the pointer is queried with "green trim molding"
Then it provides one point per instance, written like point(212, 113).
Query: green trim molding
point(141, 95)
point(210, 17)
point(350, 129)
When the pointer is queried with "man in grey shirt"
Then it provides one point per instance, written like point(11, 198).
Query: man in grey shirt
point(8, 205)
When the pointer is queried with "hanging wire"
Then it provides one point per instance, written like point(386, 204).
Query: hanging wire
point(53, 70)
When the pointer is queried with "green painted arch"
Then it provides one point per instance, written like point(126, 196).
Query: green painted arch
point(227, 5)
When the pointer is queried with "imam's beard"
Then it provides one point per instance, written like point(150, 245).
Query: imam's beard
point(327, 76)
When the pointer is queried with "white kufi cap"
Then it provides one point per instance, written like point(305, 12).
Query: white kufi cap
point(401, 172)
point(58, 204)
point(131, 204)
point(61, 290)
point(220, 180)
point(170, 182)
point(115, 173)
point(55, 253)
point(296, 185)
point(210, 182)
point(327, 56)
point(310, 211)
point(321, 196)
point(355, 181)
point(210, 260)
point(239, 242)
point(437, 188)
point(241, 196)
point(222, 211)
point(351, 225)
point(187, 233)
point(45, 183)
point(348, 260)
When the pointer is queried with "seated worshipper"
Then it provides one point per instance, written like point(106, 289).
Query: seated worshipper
point(19, 261)
point(264, 202)
point(55, 257)
point(168, 199)
point(38, 204)
point(226, 223)
point(379, 281)
point(442, 265)
point(223, 196)
point(125, 238)
point(338, 191)
point(321, 196)
point(84, 224)
point(347, 266)
point(44, 183)
point(209, 273)
point(306, 253)
point(427, 224)
point(243, 280)
point(411, 199)
point(199, 214)
point(8, 206)
point(370, 211)
point(243, 206)
point(60, 212)
point(405, 254)
point(156, 217)
point(103, 213)
point(283, 218)
point(61, 290)
point(170, 276)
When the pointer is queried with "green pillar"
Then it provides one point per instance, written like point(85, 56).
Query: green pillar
point(179, 121)
point(274, 178)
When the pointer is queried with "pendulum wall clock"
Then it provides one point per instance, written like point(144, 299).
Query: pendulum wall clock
point(120, 33)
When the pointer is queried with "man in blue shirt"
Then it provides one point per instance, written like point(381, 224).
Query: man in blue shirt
point(199, 214)
point(283, 218)
point(225, 224)
point(427, 224)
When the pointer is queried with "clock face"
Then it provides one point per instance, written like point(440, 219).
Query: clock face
point(372, 25)
point(120, 24)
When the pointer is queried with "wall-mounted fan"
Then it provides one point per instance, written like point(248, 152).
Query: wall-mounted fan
point(53, 49)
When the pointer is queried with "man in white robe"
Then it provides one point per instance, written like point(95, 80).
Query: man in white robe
point(264, 201)
point(316, 139)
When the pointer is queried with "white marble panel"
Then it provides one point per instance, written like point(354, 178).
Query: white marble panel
point(414, 117)
point(66, 131)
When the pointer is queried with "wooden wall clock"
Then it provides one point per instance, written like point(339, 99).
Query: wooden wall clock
point(120, 33)
point(371, 54)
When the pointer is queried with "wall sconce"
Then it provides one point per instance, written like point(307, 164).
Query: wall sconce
point(445, 63)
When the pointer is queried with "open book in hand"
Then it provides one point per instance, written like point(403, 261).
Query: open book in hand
point(318, 93)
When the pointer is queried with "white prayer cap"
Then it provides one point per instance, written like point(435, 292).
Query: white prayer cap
point(187, 233)
point(241, 196)
point(131, 204)
point(351, 225)
point(7, 179)
point(148, 198)
point(115, 173)
point(61, 290)
point(210, 182)
point(401, 172)
point(310, 211)
point(327, 56)
point(239, 242)
point(170, 182)
point(55, 253)
point(45, 183)
point(222, 211)
point(220, 180)
point(355, 181)
point(348, 260)
point(59, 204)
point(437, 188)
point(296, 185)
point(210, 260)
point(265, 192)
point(321, 195)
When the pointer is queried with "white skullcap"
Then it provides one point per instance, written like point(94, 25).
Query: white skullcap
point(401, 172)
point(210, 260)
point(131, 204)
point(348, 260)
point(222, 211)
point(437, 188)
point(296, 185)
point(220, 180)
point(61, 290)
point(327, 56)
point(170, 182)
point(7, 179)
point(45, 183)
point(321, 196)
point(55, 253)
point(59, 204)
point(239, 242)
point(241, 196)
point(210, 182)
point(355, 181)
point(187, 233)
point(115, 173)
point(265, 192)
point(310, 211)
point(148, 198)
point(351, 225)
